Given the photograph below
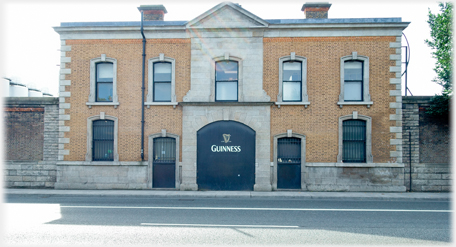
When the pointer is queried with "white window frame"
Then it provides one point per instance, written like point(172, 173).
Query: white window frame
point(93, 81)
point(88, 156)
point(150, 84)
point(355, 116)
point(304, 97)
point(228, 57)
point(366, 96)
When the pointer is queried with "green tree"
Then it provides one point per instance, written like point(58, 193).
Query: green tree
point(441, 43)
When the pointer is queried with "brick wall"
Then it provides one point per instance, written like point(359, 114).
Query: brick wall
point(31, 145)
point(319, 122)
point(426, 147)
point(129, 71)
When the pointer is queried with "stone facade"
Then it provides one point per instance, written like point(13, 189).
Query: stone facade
point(31, 142)
point(426, 147)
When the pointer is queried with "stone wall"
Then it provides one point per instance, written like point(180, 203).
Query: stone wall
point(31, 142)
point(426, 146)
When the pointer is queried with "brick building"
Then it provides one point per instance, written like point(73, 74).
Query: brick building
point(232, 102)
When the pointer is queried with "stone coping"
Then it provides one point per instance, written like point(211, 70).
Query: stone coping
point(27, 101)
point(360, 165)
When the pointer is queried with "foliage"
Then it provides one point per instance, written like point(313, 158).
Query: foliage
point(441, 43)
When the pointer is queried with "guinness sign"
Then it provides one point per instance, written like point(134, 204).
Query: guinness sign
point(226, 139)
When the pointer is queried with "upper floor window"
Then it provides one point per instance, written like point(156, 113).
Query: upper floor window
point(354, 80)
point(226, 81)
point(292, 81)
point(161, 82)
point(103, 82)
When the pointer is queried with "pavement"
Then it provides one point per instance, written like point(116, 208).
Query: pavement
point(442, 196)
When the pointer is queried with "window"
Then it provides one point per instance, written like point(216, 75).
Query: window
point(292, 81)
point(355, 139)
point(103, 82)
point(354, 81)
point(161, 81)
point(226, 81)
point(103, 140)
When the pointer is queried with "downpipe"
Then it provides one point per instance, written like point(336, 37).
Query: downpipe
point(143, 88)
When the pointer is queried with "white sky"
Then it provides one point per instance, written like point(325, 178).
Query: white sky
point(29, 45)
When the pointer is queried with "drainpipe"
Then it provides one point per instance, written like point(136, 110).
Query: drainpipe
point(143, 88)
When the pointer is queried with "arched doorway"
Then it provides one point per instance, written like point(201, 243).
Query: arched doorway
point(226, 156)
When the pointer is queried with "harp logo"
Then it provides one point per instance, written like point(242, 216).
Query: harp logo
point(226, 138)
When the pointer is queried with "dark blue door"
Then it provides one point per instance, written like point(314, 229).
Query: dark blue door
point(226, 156)
point(289, 163)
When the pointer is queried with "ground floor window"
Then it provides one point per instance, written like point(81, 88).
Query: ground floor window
point(103, 140)
point(354, 141)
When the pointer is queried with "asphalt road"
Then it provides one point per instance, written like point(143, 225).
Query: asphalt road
point(110, 220)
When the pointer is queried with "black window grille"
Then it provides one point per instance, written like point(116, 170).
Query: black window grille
point(164, 150)
point(354, 141)
point(292, 81)
point(353, 80)
point(104, 81)
point(103, 140)
point(226, 81)
point(289, 150)
point(162, 81)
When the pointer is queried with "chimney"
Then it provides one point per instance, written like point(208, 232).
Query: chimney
point(316, 10)
point(153, 12)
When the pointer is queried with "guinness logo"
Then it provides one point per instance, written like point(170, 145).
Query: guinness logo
point(226, 138)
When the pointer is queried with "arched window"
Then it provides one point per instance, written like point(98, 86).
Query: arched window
point(161, 86)
point(354, 80)
point(162, 81)
point(103, 82)
point(292, 81)
point(354, 141)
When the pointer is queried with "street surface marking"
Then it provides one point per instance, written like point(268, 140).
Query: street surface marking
point(209, 225)
point(267, 209)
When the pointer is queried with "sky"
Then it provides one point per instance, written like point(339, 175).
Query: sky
point(30, 47)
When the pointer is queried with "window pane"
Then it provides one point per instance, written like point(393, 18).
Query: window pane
point(291, 91)
point(105, 72)
point(353, 91)
point(103, 140)
point(353, 70)
point(354, 141)
point(291, 71)
point(226, 71)
point(162, 72)
point(104, 91)
point(162, 91)
point(226, 91)
point(164, 150)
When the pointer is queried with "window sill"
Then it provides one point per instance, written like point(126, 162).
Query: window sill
point(366, 103)
point(102, 163)
point(90, 104)
point(148, 104)
point(305, 104)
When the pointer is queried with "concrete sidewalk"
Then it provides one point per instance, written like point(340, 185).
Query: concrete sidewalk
point(238, 194)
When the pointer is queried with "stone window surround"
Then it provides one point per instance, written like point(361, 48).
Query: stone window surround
point(150, 170)
point(366, 96)
point(369, 157)
point(88, 156)
point(226, 57)
point(150, 86)
point(290, 133)
point(304, 96)
point(92, 95)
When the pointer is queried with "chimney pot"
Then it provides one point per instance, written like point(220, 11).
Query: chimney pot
point(316, 10)
point(153, 12)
